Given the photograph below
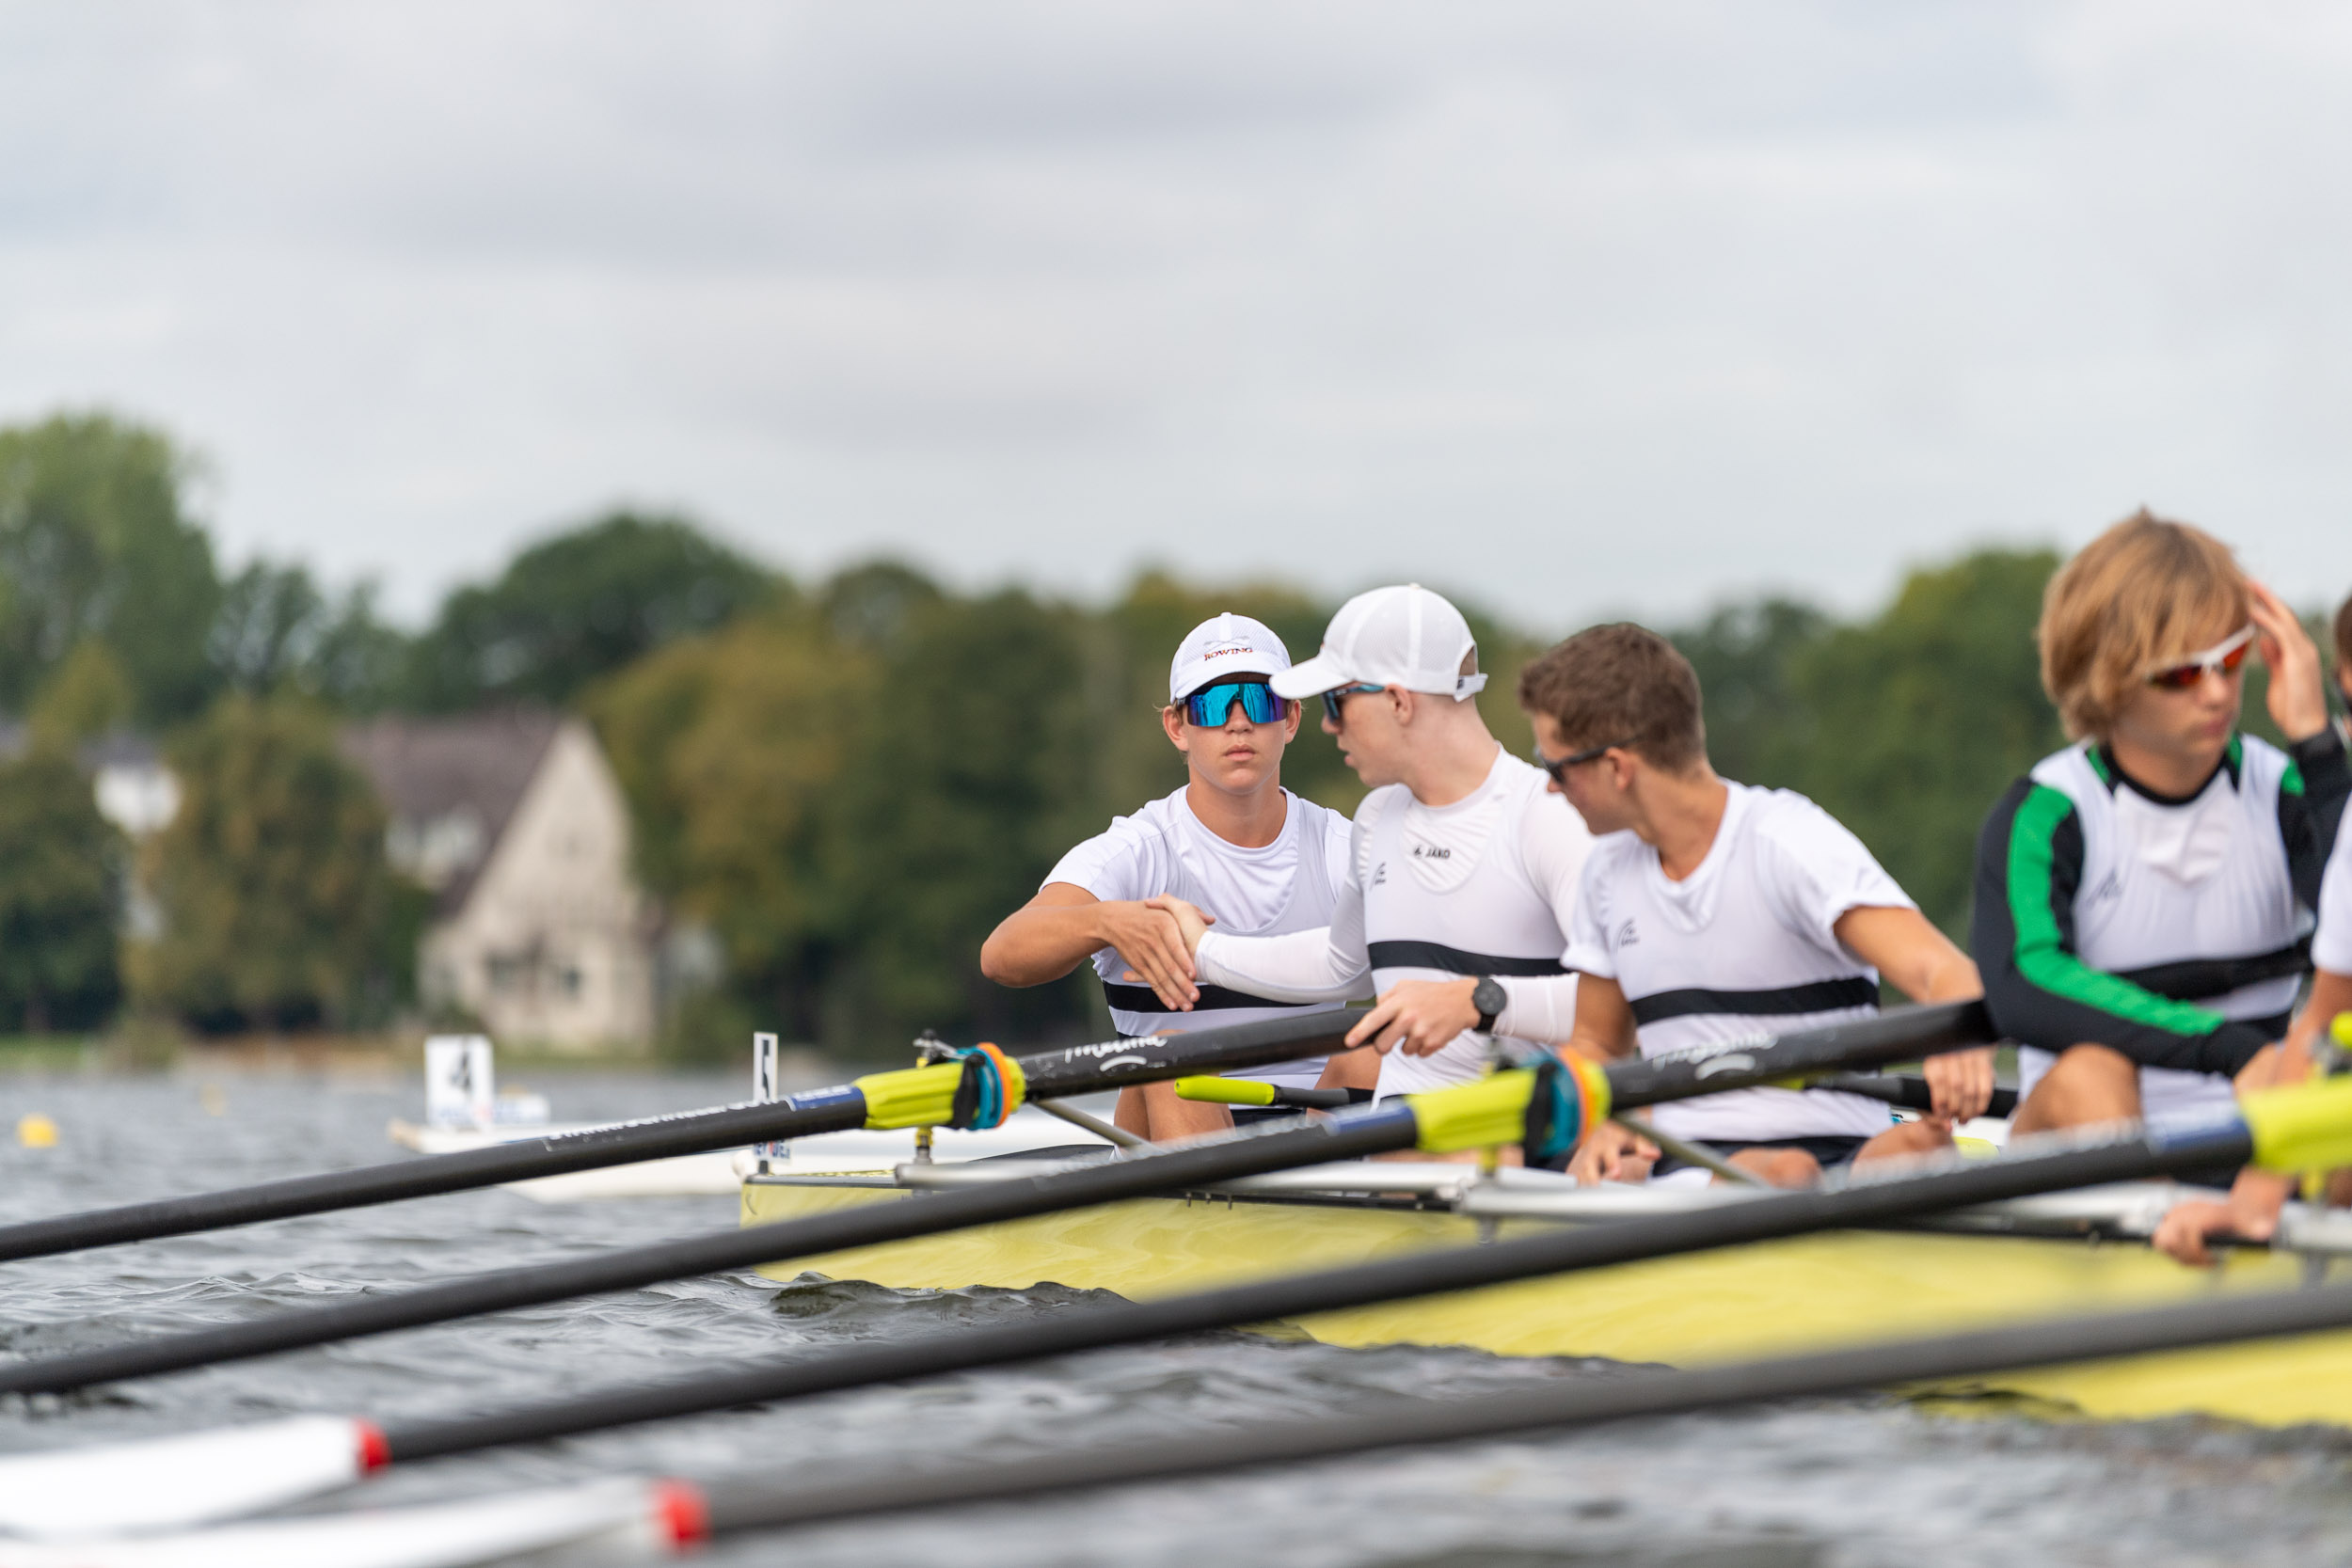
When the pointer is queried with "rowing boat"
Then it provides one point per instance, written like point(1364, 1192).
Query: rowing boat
point(2058, 1254)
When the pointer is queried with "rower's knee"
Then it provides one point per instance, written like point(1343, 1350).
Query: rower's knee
point(1779, 1167)
point(2087, 1083)
point(1169, 1114)
point(1904, 1138)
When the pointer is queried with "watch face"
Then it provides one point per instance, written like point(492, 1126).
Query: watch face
point(1488, 996)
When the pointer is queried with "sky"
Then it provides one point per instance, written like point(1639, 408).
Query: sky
point(1575, 308)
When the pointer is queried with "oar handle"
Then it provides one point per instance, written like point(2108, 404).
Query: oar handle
point(1912, 1094)
point(1902, 1036)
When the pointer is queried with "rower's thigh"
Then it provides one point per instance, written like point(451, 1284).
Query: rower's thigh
point(2087, 1083)
point(1781, 1167)
point(1909, 1137)
point(1358, 1069)
point(1171, 1115)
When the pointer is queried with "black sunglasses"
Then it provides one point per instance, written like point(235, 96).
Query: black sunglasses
point(1558, 767)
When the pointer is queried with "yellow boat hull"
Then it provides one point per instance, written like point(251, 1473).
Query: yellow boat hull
point(1833, 1290)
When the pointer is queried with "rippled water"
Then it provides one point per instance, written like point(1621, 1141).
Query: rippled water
point(1825, 1485)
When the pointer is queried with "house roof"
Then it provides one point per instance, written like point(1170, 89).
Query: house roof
point(473, 765)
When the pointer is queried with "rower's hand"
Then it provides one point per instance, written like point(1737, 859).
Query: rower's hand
point(1418, 1016)
point(1959, 1084)
point(2250, 1210)
point(2297, 697)
point(1192, 921)
point(1151, 941)
point(1613, 1153)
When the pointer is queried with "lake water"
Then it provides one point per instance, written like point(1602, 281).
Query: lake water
point(1825, 1485)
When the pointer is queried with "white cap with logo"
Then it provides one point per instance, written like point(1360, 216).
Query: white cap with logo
point(1226, 644)
point(1403, 636)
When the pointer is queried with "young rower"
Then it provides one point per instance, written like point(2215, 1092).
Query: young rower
point(1233, 842)
point(1713, 912)
point(1460, 875)
point(2256, 1197)
point(2140, 895)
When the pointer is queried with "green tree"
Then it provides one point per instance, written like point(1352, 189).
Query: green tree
point(580, 607)
point(1922, 716)
point(95, 544)
point(276, 630)
point(971, 780)
point(270, 884)
point(60, 883)
point(1906, 727)
point(732, 750)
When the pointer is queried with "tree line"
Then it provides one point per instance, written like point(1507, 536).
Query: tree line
point(847, 783)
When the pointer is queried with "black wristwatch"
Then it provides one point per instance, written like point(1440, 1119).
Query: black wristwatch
point(1489, 998)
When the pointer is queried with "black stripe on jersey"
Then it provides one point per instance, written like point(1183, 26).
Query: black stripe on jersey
point(1429, 955)
point(1817, 996)
point(1143, 999)
point(2197, 979)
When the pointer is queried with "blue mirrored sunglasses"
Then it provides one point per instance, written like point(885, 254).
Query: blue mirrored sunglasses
point(1209, 706)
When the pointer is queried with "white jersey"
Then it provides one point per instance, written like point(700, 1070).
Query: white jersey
point(1289, 885)
point(2162, 882)
point(2331, 944)
point(1744, 946)
point(1483, 886)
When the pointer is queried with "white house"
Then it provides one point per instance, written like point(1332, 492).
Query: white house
point(515, 820)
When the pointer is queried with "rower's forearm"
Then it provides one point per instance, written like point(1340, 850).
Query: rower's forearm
point(1541, 1007)
point(1296, 966)
point(1035, 946)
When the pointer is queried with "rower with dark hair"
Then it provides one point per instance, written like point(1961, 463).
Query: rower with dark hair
point(1233, 842)
point(2142, 895)
point(1711, 914)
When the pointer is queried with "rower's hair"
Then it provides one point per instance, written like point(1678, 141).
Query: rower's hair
point(2146, 591)
point(2343, 648)
point(1620, 685)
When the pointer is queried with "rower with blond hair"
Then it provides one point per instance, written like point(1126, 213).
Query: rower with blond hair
point(2142, 896)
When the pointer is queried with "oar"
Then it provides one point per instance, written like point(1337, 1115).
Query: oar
point(1774, 1216)
point(873, 1101)
point(662, 1519)
point(1480, 1114)
point(2304, 1126)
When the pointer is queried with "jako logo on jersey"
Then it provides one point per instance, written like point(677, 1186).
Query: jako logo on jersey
point(2110, 888)
point(1380, 875)
point(1628, 936)
point(1432, 852)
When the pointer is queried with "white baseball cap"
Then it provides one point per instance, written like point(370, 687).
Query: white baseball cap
point(1226, 644)
point(1404, 636)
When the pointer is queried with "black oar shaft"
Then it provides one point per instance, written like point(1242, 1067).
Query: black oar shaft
point(750, 1504)
point(1552, 1252)
point(1075, 1069)
point(1280, 1146)
point(826, 1111)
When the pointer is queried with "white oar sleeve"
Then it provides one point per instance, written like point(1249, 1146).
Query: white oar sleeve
point(1298, 966)
point(1327, 963)
point(1554, 844)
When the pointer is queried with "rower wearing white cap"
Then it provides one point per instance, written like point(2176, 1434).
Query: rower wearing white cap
point(1461, 875)
point(1233, 842)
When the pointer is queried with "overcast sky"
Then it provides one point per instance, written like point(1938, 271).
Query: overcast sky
point(1576, 308)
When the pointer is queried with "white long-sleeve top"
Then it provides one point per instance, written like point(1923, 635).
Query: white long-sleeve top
point(1486, 886)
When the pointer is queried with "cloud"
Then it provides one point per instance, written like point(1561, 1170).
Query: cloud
point(1579, 308)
